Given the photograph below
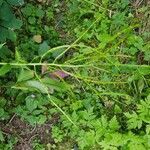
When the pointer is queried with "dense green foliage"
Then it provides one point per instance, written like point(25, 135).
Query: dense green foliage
point(8, 20)
point(84, 64)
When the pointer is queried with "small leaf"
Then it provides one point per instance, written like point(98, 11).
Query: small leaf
point(44, 68)
point(4, 69)
point(12, 35)
point(1, 112)
point(2, 101)
point(55, 84)
point(147, 129)
point(16, 2)
point(17, 56)
point(1, 45)
point(37, 38)
point(25, 75)
point(59, 74)
point(37, 85)
point(1, 136)
point(42, 119)
point(141, 85)
point(31, 103)
point(113, 124)
point(43, 48)
point(39, 13)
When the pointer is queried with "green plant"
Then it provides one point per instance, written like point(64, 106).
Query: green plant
point(94, 91)
point(8, 20)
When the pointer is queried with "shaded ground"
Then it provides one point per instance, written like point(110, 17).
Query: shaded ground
point(26, 133)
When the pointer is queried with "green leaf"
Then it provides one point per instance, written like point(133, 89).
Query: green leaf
point(3, 34)
point(12, 35)
point(2, 101)
point(104, 121)
point(36, 85)
point(43, 48)
point(16, 2)
point(147, 129)
point(1, 45)
point(12, 24)
point(31, 85)
point(31, 20)
point(113, 124)
point(1, 136)
point(4, 69)
point(40, 13)
point(6, 12)
point(28, 10)
point(141, 85)
point(31, 103)
point(1, 112)
point(18, 57)
point(1, 2)
point(42, 119)
point(25, 75)
point(55, 84)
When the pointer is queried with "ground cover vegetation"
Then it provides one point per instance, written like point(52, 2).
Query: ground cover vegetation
point(74, 75)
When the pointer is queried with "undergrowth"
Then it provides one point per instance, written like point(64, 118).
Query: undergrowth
point(96, 80)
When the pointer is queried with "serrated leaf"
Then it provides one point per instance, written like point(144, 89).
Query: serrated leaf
point(28, 10)
point(25, 75)
point(18, 57)
point(4, 69)
point(104, 121)
point(31, 103)
point(113, 124)
point(39, 13)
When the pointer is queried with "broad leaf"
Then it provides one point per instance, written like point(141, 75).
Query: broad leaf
point(25, 75)
point(6, 12)
point(37, 85)
point(31, 103)
point(44, 47)
point(4, 69)
point(55, 84)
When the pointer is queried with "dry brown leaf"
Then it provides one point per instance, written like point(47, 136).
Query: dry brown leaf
point(37, 38)
point(59, 74)
point(44, 68)
point(41, 1)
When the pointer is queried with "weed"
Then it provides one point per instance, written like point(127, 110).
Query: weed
point(94, 92)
